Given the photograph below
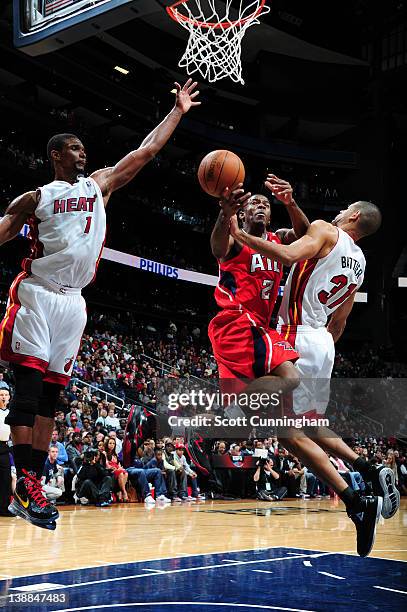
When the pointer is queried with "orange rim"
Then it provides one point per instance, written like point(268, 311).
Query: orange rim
point(176, 16)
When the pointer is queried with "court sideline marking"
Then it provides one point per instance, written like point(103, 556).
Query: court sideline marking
point(183, 603)
point(190, 569)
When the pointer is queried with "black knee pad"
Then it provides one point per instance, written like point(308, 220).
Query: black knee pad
point(25, 402)
point(48, 400)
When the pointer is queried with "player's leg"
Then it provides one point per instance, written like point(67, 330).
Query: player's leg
point(283, 379)
point(44, 424)
point(380, 478)
point(363, 510)
point(29, 501)
point(23, 410)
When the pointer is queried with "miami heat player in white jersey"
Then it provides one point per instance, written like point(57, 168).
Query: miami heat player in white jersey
point(67, 232)
point(315, 288)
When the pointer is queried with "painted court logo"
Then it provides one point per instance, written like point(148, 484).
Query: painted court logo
point(68, 364)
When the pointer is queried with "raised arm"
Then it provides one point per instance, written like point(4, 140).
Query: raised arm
point(16, 215)
point(111, 179)
point(317, 242)
point(283, 192)
point(337, 322)
point(230, 203)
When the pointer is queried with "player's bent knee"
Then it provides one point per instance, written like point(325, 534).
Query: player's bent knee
point(25, 403)
point(19, 417)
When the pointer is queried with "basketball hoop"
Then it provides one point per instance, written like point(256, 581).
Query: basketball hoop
point(214, 45)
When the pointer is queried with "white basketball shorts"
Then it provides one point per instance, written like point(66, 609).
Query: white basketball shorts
point(43, 326)
point(317, 354)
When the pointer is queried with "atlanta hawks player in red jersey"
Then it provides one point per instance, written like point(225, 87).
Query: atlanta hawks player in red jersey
point(244, 345)
point(46, 313)
point(327, 269)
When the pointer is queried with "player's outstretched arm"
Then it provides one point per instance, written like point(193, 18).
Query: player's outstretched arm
point(283, 192)
point(319, 236)
point(111, 179)
point(230, 203)
point(16, 215)
point(337, 322)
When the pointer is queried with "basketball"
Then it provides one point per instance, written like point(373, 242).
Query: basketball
point(218, 170)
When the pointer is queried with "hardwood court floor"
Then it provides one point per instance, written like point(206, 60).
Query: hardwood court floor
point(91, 537)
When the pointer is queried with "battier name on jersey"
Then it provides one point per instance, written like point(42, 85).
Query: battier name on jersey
point(352, 264)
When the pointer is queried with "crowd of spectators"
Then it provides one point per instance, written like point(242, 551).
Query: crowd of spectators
point(278, 473)
point(120, 362)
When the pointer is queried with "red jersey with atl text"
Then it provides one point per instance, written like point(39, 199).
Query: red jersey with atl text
point(249, 282)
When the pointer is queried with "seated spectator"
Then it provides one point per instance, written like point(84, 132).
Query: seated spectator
point(101, 420)
point(62, 454)
point(167, 470)
point(63, 461)
point(111, 421)
point(119, 473)
point(53, 476)
point(94, 484)
point(267, 479)
point(87, 441)
point(74, 451)
point(221, 448)
point(101, 448)
point(354, 479)
point(288, 472)
point(183, 470)
point(119, 443)
point(140, 477)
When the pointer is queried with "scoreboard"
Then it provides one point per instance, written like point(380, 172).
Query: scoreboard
point(41, 26)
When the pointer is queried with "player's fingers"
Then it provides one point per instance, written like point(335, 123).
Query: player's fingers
point(195, 103)
point(178, 86)
point(236, 195)
point(192, 87)
point(187, 84)
point(244, 200)
point(194, 95)
point(225, 193)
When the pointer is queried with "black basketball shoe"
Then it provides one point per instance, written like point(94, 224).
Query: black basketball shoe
point(366, 515)
point(383, 484)
point(31, 504)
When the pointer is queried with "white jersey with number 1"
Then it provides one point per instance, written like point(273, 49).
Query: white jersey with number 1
point(46, 313)
point(67, 233)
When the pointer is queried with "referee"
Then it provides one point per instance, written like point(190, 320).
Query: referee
point(5, 472)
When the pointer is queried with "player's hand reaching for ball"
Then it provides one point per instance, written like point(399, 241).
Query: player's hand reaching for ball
point(280, 189)
point(235, 230)
point(185, 96)
point(233, 201)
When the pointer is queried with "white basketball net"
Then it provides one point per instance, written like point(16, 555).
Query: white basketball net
point(215, 40)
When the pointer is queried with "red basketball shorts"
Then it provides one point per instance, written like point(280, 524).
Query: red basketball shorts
point(244, 349)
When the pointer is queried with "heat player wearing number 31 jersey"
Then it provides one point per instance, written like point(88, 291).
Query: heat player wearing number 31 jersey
point(315, 289)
